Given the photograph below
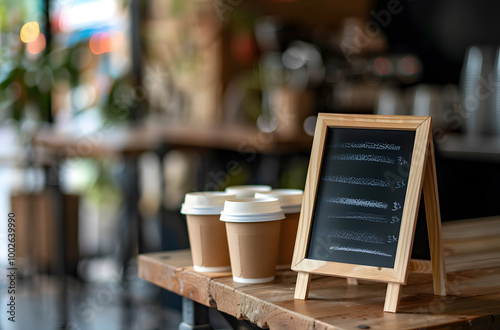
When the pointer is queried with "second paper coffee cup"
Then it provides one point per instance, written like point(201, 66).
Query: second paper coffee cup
point(253, 233)
point(290, 201)
point(245, 191)
point(207, 235)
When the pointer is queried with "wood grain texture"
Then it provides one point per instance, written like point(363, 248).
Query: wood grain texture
point(420, 266)
point(373, 121)
point(471, 229)
point(307, 209)
point(302, 285)
point(473, 300)
point(352, 281)
point(412, 200)
point(433, 215)
point(471, 244)
point(392, 297)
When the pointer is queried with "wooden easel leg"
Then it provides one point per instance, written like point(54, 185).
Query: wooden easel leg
point(302, 285)
point(392, 297)
point(433, 216)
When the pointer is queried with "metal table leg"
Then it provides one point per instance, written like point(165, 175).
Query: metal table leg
point(60, 265)
point(194, 316)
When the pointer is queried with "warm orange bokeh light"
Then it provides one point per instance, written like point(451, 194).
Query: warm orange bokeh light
point(37, 45)
point(105, 42)
point(29, 32)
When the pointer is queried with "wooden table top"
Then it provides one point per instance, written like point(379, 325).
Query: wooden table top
point(473, 300)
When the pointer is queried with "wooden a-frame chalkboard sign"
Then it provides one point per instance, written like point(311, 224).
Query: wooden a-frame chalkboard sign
point(361, 200)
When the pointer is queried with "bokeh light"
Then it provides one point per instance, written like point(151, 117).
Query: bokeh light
point(105, 42)
point(29, 32)
point(37, 45)
point(409, 65)
point(310, 125)
point(84, 96)
point(81, 15)
point(382, 66)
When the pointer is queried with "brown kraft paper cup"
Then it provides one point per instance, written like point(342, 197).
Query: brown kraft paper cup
point(208, 240)
point(253, 250)
point(288, 235)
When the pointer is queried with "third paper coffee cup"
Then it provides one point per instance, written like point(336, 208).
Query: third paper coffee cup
point(253, 230)
point(290, 201)
point(207, 235)
point(247, 191)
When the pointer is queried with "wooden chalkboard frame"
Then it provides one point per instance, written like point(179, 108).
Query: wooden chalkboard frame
point(422, 175)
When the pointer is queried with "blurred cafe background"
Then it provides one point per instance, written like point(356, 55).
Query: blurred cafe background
point(111, 110)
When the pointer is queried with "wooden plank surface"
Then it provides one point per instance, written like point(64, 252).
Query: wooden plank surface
point(473, 300)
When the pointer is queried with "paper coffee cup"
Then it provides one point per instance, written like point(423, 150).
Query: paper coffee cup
point(290, 201)
point(247, 190)
point(207, 235)
point(253, 236)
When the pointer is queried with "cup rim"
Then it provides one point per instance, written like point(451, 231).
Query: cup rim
point(249, 218)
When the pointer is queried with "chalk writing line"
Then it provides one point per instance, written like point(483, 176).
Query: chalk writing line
point(370, 145)
point(358, 202)
point(364, 158)
point(367, 251)
point(363, 181)
point(358, 235)
point(364, 216)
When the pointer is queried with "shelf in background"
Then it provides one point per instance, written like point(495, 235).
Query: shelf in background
point(469, 147)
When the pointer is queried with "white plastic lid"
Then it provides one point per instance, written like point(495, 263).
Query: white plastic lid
point(247, 190)
point(252, 210)
point(205, 202)
point(290, 199)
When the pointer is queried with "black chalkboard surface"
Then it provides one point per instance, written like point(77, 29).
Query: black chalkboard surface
point(360, 196)
point(421, 244)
